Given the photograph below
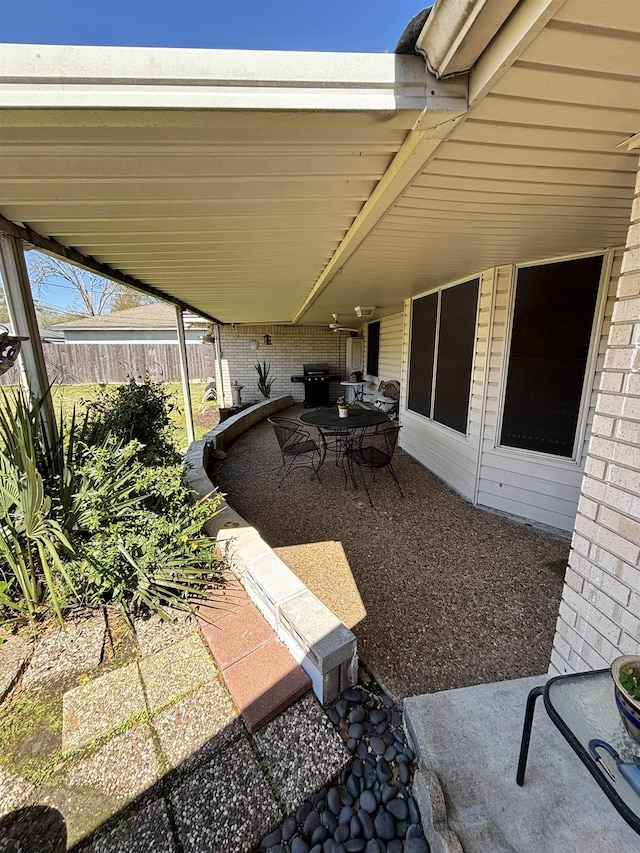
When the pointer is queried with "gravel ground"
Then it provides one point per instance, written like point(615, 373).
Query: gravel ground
point(453, 595)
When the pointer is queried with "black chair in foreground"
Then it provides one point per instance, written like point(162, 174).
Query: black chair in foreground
point(297, 447)
point(374, 451)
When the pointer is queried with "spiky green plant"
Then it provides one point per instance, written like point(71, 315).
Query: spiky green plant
point(31, 540)
point(265, 380)
point(84, 521)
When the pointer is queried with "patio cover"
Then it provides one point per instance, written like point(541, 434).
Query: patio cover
point(279, 187)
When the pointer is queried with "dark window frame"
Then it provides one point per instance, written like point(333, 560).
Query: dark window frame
point(435, 340)
point(373, 353)
point(592, 349)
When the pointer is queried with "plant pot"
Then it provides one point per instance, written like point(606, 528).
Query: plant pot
point(628, 708)
point(343, 411)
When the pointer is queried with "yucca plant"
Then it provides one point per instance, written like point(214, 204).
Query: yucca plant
point(84, 521)
point(46, 501)
point(265, 380)
point(31, 540)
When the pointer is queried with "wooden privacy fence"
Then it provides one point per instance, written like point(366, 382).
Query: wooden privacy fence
point(89, 364)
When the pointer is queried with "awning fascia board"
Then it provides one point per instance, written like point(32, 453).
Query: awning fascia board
point(62, 76)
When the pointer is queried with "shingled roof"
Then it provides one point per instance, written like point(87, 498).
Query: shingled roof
point(157, 315)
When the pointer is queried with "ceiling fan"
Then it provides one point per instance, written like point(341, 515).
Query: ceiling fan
point(338, 327)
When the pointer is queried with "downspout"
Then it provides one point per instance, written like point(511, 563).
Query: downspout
point(184, 374)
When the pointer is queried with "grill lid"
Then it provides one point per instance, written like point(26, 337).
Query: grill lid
point(316, 368)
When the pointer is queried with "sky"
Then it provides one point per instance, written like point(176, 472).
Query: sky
point(361, 26)
point(326, 25)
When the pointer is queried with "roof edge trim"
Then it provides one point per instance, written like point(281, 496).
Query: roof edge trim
point(457, 32)
point(79, 76)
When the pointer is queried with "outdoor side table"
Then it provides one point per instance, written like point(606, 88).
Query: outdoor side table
point(582, 706)
point(356, 390)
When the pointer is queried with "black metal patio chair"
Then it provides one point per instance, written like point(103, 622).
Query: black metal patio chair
point(373, 451)
point(297, 447)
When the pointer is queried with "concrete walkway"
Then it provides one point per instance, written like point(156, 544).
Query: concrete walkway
point(113, 742)
point(471, 739)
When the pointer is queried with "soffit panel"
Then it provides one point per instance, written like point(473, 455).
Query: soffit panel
point(534, 171)
point(237, 220)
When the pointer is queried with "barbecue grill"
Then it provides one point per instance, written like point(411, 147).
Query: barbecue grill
point(316, 378)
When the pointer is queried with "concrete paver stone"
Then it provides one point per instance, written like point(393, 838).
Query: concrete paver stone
point(14, 791)
point(14, 652)
point(222, 602)
point(237, 635)
point(265, 682)
point(226, 805)
point(198, 726)
point(62, 654)
point(123, 768)
point(154, 633)
point(302, 749)
point(183, 666)
point(96, 708)
point(147, 830)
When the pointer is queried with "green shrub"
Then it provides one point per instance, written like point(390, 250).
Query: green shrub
point(136, 411)
point(155, 555)
point(84, 521)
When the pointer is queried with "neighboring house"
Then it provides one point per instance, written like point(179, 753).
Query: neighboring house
point(135, 342)
point(155, 322)
point(483, 202)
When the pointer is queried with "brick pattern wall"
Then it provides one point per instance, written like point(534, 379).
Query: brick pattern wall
point(600, 609)
point(291, 347)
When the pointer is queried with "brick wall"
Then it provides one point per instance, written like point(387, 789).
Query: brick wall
point(600, 610)
point(291, 347)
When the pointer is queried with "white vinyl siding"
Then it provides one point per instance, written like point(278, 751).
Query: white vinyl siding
point(450, 455)
point(616, 268)
point(520, 483)
point(390, 352)
point(390, 358)
point(525, 484)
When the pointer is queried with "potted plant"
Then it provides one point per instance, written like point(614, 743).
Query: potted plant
point(343, 409)
point(265, 380)
point(625, 671)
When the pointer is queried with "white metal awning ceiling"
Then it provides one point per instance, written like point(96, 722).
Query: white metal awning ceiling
point(273, 187)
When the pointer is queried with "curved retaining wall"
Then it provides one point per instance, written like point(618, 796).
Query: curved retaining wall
point(316, 638)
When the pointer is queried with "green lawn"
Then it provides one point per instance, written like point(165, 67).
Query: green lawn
point(204, 414)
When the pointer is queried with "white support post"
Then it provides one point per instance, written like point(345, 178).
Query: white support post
point(184, 374)
point(218, 356)
point(24, 322)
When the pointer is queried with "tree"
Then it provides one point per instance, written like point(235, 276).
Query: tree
point(47, 315)
point(4, 314)
point(127, 298)
point(92, 295)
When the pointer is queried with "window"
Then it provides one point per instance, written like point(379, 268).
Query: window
point(553, 319)
point(443, 329)
point(373, 347)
